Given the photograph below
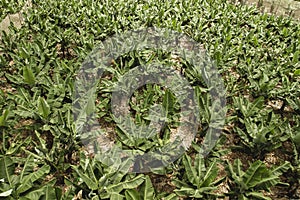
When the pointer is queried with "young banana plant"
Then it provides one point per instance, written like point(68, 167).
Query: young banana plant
point(199, 180)
point(249, 184)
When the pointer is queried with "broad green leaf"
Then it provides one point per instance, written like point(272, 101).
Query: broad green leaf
point(24, 53)
point(190, 170)
point(147, 190)
point(50, 193)
point(199, 165)
point(179, 183)
point(256, 105)
point(293, 103)
point(297, 72)
point(296, 56)
point(28, 167)
point(237, 167)
point(41, 142)
point(123, 167)
point(296, 139)
point(95, 198)
point(172, 196)
point(14, 148)
point(168, 102)
point(116, 196)
point(43, 107)
point(281, 168)
point(35, 194)
point(28, 75)
point(132, 194)
point(235, 172)
point(200, 191)
point(4, 117)
point(69, 119)
point(258, 195)
point(268, 181)
point(253, 174)
point(90, 104)
point(6, 193)
point(243, 197)
point(24, 111)
point(6, 169)
point(210, 174)
point(15, 79)
point(29, 179)
point(128, 184)
point(91, 182)
point(185, 192)
point(191, 192)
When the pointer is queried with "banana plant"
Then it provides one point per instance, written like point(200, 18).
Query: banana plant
point(260, 130)
point(24, 184)
point(103, 182)
point(199, 180)
point(27, 106)
point(257, 178)
point(145, 191)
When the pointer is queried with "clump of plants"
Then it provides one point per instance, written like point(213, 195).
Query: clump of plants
point(256, 54)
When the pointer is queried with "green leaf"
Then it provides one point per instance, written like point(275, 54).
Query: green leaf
point(128, 184)
point(147, 189)
point(235, 172)
point(186, 192)
point(256, 105)
point(28, 75)
point(89, 179)
point(210, 174)
point(237, 166)
point(95, 198)
point(296, 56)
point(191, 192)
point(258, 195)
point(278, 170)
point(116, 196)
point(28, 180)
point(253, 175)
point(199, 165)
point(190, 170)
point(179, 183)
point(296, 140)
point(4, 117)
point(172, 196)
point(28, 167)
point(24, 53)
point(35, 194)
point(132, 194)
point(6, 169)
point(90, 105)
point(6, 193)
point(297, 72)
point(50, 193)
point(168, 102)
point(266, 181)
point(43, 107)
